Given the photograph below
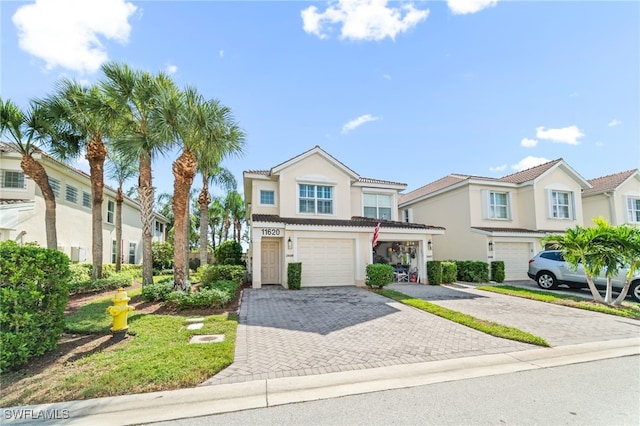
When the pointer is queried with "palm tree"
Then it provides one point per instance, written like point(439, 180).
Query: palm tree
point(86, 111)
point(136, 94)
point(119, 168)
point(216, 219)
point(236, 211)
point(27, 130)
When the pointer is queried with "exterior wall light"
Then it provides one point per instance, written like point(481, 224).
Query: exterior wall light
point(290, 244)
point(490, 245)
point(429, 246)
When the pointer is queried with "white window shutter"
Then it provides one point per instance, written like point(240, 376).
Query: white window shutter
point(485, 203)
point(509, 207)
point(574, 214)
point(549, 204)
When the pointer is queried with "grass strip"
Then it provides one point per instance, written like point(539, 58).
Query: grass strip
point(627, 311)
point(489, 327)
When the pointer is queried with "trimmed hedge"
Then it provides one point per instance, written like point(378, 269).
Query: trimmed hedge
point(449, 272)
point(207, 298)
point(434, 272)
point(213, 273)
point(229, 253)
point(33, 295)
point(157, 292)
point(294, 275)
point(497, 271)
point(114, 282)
point(472, 271)
point(379, 275)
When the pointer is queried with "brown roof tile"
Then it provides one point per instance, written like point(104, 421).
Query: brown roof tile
point(529, 174)
point(357, 221)
point(432, 187)
point(609, 182)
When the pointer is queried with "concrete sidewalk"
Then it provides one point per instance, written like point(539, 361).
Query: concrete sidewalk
point(207, 400)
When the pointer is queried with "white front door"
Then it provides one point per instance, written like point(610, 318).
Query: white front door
point(270, 262)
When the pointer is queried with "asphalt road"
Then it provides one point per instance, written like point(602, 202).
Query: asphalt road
point(595, 393)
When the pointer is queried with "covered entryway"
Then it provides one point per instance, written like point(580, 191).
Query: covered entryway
point(516, 259)
point(270, 262)
point(326, 262)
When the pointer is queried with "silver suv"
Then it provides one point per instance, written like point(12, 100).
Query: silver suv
point(549, 269)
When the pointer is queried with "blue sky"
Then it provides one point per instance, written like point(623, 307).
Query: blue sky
point(401, 91)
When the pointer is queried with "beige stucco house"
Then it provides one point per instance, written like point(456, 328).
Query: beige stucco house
point(615, 197)
point(315, 210)
point(498, 219)
point(22, 211)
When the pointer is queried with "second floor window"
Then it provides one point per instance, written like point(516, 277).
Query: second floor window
point(498, 205)
point(159, 227)
point(377, 206)
point(561, 205)
point(267, 197)
point(55, 186)
point(111, 209)
point(12, 179)
point(86, 199)
point(315, 199)
point(633, 209)
point(71, 194)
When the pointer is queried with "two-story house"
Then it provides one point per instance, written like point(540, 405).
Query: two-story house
point(315, 210)
point(22, 211)
point(615, 197)
point(498, 219)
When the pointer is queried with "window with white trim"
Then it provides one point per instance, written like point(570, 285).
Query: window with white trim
point(377, 206)
point(86, 199)
point(113, 251)
point(561, 205)
point(111, 211)
point(405, 215)
point(55, 186)
point(633, 209)
point(267, 197)
point(12, 179)
point(132, 253)
point(498, 205)
point(71, 194)
point(315, 199)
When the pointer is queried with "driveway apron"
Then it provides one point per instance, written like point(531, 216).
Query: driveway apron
point(284, 333)
point(558, 325)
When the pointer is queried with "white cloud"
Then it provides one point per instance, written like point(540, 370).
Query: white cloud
point(528, 162)
point(568, 135)
point(614, 122)
point(221, 53)
point(463, 7)
point(498, 168)
point(362, 19)
point(171, 69)
point(528, 143)
point(358, 122)
point(67, 33)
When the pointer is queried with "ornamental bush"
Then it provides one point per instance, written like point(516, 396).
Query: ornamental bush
point(229, 253)
point(162, 254)
point(497, 271)
point(449, 272)
point(473, 271)
point(207, 298)
point(158, 292)
point(294, 275)
point(213, 273)
point(434, 272)
point(33, 295)
point(379, 275)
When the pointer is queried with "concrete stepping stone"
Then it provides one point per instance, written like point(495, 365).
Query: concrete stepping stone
point(195, 326)
point(207, 338)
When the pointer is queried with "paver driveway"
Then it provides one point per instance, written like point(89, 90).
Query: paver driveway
point(320, 330)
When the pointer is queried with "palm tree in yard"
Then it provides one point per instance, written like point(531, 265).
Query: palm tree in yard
point(216, 215)
point(136, 94)
point(236, 213)
point(120, 168)
point(28, 130)
point(86, 111)
point(223, 138)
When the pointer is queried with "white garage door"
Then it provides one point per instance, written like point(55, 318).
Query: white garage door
point(516, 259)
point(326, 262)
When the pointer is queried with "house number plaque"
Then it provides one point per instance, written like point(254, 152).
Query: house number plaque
point(270, 231)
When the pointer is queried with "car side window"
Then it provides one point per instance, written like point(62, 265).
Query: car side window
point(553, 255)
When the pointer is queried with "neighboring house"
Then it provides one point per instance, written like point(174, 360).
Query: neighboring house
point(315, 210)
point(22, 211)
point(615, 197)
point(498, 219)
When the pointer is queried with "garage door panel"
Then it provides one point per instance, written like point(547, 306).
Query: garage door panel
point(516, 259)
point(326, 262)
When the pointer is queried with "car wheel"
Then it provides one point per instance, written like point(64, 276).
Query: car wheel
point(546, 280)
point(635, 290)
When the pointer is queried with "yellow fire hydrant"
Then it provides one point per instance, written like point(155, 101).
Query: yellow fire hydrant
point(119, 311)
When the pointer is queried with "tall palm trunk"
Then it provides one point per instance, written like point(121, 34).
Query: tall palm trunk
point(184, 169)
point(119, 201)
point(145, 191)
point(96, 153)
point(203, 200)
point(35, 171)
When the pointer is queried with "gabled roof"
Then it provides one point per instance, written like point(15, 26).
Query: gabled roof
point(609, 182)
point(519, 178)
point(318, 150)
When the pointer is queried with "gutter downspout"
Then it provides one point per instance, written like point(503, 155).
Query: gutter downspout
point(612, 219)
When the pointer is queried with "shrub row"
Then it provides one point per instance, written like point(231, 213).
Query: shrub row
point(33, 295)
point(439, 272)
point(114, 282)
point(294, 275)
point(378, 275)
point(213, 273)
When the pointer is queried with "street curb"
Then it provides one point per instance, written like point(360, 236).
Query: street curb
point(214, 399)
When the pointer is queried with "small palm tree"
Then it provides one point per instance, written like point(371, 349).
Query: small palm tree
point(27, 130)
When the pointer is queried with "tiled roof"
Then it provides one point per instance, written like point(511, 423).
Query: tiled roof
point(7, 201)
point(609, 182)
point(452, 179)
point(529, 174)
point(357, 221)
